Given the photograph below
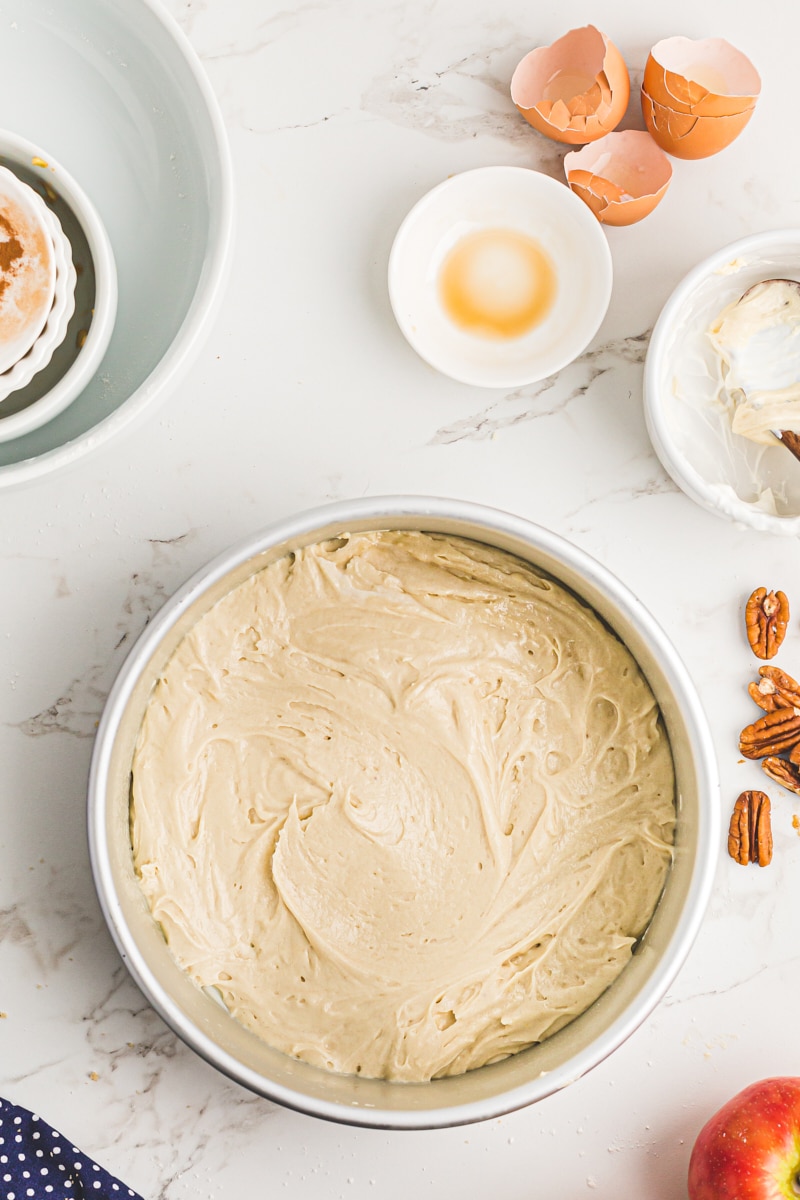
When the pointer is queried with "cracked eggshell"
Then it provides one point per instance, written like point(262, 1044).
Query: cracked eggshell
point(575, 90)
point(685, 136)
point(622, 176)
point(697, 96)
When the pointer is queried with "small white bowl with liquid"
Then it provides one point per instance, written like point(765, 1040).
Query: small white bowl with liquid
point(500, 276)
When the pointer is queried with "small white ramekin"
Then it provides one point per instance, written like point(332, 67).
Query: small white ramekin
point(18, 152)
point(55, 328)
point(31, 279)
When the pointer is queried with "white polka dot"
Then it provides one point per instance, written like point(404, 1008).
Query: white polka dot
point(36, 1134)
point(96, 1183)
point(44, 1171)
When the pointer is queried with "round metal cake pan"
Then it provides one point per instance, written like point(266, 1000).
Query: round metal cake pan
point(526, 1077)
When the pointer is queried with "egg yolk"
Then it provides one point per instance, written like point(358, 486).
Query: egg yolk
point(497, 283)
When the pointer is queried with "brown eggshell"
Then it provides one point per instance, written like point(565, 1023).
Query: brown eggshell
point(707, 78)
point(622, 177)
point(687, 136)
point(575, 90)
point(665, 125)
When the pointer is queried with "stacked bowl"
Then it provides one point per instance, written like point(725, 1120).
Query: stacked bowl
point(58, 288)
point(37, 284)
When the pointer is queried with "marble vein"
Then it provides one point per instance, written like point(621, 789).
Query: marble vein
point(77, 710)
point(547, 397)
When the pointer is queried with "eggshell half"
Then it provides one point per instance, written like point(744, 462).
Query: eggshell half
point(575, 90)
point(622, 176)
point(685, 135)
point(707, 78)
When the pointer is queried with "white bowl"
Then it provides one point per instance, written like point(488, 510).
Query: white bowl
point(727, 474)
point(67, 379)
point(491, 1090)
point(55, 328)
point(526, 202)
point(136, 121)
point(33, 276)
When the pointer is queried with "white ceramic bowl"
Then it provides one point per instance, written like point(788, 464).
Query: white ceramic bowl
point(55, 327)
point(37, 277)
point(68, 377)
point(727, 474)
point(526, 202)
point(489, 1091)
point(135, 120)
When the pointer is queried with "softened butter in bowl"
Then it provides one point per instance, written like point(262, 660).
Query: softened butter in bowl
point(340, 828)
point(697, 427)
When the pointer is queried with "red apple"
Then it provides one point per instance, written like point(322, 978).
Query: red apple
point(750, 1149)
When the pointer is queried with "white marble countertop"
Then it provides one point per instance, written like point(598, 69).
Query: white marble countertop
point(341, 114)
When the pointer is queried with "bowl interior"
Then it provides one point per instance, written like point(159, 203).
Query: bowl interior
point(519, 1080)
point(726, 473)
point(134, 126)
point(526, 202)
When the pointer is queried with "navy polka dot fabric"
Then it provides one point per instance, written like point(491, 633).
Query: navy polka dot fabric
point(37, 1163)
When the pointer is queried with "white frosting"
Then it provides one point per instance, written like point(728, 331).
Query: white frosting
point(757, 338)
point(690, 412)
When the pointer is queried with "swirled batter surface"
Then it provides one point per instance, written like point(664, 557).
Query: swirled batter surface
point(404, 803)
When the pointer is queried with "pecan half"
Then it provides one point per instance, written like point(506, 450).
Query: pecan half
point(783, 772)
point(766, 617)
point(773, 733)
point(775, 689)
point(750, 833)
